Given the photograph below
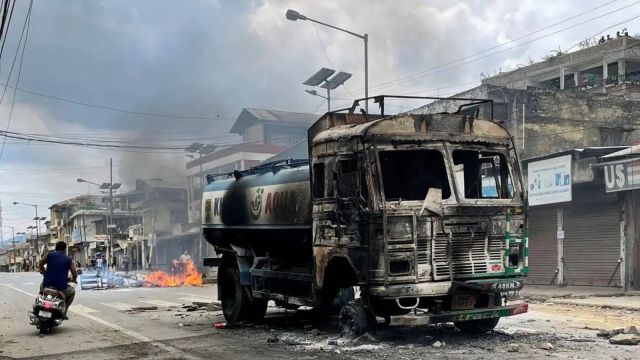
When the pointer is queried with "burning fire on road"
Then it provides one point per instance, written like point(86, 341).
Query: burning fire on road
point(183, 274)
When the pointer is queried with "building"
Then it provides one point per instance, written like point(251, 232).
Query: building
point(600, 67)
point(595, 105)
point(163, 212)
point(81, 222)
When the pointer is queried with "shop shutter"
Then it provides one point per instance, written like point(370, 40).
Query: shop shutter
point(543, 246)
point(592, 239)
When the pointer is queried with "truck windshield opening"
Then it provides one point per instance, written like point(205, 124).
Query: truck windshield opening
point(482, 175)
point(410, 174)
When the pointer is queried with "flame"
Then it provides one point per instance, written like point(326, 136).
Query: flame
point(184, 274)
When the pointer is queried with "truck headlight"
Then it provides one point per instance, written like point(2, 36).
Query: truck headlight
point(516, 254)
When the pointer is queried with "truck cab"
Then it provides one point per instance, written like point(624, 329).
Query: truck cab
point(424, 214)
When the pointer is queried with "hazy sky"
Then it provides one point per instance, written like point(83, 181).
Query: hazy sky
point(212, 58)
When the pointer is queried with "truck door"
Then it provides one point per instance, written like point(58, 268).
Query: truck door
point(352, 195)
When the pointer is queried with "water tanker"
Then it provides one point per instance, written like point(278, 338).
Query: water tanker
point(423, 214)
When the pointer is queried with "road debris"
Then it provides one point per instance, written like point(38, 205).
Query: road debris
point(625, 339)
point(513, 348)
point(143, 308)
point(546, 346)
point(438, 344)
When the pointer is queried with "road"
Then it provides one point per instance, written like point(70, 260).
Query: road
point(101, 326)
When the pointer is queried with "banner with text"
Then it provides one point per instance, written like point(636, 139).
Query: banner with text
point(549, 181)
point(619, 177)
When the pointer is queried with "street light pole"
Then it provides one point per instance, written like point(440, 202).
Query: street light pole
point(294, 15)
point(110, 232)
point(110, 186)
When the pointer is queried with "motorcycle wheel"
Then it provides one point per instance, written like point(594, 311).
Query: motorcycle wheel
point(45, 328)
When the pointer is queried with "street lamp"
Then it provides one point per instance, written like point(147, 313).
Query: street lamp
point(294, 15)
point(37, 227)
point(323, 76)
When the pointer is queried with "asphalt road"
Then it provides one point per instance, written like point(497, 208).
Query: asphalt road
point(101, 326)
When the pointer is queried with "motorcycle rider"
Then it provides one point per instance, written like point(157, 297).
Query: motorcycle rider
point(56, 274)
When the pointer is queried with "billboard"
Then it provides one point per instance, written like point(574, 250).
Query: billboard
point(549, 181)
point(619, 177)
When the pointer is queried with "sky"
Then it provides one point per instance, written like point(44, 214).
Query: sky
point(198, 63)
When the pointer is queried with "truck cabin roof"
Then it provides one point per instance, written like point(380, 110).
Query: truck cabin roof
point(461, 126)
point(411, 127)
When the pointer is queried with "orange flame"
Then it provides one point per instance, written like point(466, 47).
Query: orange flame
point(184, 274)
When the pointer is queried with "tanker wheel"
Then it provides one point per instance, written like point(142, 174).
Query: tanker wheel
point(232, 295)
point(477, 326)
point(354, 319)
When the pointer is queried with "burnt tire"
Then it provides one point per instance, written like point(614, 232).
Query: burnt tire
point(477, 326)
point(232, 295)
point(353, 319)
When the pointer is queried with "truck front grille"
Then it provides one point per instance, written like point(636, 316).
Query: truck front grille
point(470, 253)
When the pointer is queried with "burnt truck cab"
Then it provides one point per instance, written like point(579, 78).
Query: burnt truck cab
point(428, 210)
point(424, 214)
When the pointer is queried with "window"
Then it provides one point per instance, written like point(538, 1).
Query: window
point(410, 174)
point(611, 136)
point(318, 180)
point(348, 178)
point(482, 175)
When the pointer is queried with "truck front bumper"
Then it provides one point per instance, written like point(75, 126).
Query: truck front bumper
point(461, 315)
point(442, 288)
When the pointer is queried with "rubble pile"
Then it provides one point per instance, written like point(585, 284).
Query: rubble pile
point(621, 336)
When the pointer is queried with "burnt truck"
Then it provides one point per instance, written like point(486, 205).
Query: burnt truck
point(422, 214)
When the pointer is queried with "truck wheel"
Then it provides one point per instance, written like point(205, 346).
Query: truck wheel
point(232, 295)
point(353, 319)
point(477, 326)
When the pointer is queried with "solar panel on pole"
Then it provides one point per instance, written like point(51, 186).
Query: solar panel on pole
point(320, 76)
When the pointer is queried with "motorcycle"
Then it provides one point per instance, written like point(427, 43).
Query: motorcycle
point(48, 310)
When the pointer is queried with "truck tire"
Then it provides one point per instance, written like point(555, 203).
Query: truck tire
point(232, 295)
point(477, 326)
point(353, 319)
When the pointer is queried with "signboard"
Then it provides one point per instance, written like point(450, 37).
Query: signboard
point(619, 177)
point(76, 236)
point(549, 181)
point(101, 237)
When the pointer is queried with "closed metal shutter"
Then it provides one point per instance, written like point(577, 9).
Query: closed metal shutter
point(543, 246)
point(592, 239)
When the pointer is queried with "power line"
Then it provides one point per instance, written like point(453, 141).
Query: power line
point(24, 46)
point(6, 29)
point(457, 62)
point(112, 108)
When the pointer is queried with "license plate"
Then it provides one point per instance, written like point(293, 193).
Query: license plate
point(463, 302)
point(44, 314)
